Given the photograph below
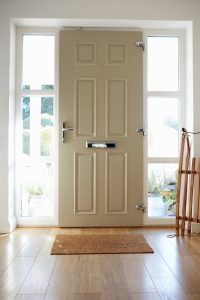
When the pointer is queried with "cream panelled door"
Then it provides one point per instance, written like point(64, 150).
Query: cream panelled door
point(101, 97)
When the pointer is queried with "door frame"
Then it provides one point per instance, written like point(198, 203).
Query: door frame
point(30, 221)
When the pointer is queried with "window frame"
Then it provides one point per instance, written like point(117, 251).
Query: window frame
point(181, 95)
point(34, 221)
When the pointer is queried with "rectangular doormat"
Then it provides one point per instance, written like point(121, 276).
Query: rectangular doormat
point(100, 244)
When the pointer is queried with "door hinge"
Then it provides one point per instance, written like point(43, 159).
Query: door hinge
point(142, 130)
point(141, 207)
point(140, 44)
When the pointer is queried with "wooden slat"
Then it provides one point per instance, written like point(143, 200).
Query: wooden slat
point(187, 219)
point(196, 217)
point(184, 204)
point(178, 187)
point(191, 195)
point(190, 172)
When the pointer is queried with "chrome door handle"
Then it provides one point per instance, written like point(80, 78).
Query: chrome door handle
point(64, 132)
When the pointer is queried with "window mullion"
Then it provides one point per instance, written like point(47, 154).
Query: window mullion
point(42, 93)
point(162, 160)
point(163, 94)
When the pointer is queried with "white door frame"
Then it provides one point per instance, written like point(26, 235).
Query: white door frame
point(54, 221)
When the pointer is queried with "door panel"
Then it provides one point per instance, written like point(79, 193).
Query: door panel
point(116, 176)
point(116, 105)
point(100, 92)
point(85, 105)
point(85, 186)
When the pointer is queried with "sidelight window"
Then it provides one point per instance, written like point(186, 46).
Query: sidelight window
point(36, 129)
point(163, 102)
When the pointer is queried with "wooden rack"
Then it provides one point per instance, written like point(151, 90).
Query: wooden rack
point(188, 188)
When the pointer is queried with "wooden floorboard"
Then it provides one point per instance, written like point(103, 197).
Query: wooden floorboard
point(29, 272)
point(29, 297)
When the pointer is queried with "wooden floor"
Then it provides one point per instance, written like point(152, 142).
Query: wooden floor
point(28, 271)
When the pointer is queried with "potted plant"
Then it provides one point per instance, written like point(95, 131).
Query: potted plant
point(34, 191)
point(169, 197)
point(156, 206)
point(35, 195)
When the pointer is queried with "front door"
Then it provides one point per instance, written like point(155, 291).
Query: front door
point(101, 101)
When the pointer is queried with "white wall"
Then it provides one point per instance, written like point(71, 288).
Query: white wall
point(117, 12)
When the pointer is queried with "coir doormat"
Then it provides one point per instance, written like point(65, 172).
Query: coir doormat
point(100, 244)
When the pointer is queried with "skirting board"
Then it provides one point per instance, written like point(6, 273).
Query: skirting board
point(8, 226)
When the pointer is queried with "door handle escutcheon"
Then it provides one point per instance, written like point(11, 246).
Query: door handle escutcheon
point(64, 132)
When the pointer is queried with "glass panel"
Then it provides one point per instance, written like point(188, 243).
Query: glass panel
point(37, 189)
point(26, 125)
point(38, 62)
point(162, 64)
point(162, 190)
point(163, 127)
point(46, 126)
point(38, 157)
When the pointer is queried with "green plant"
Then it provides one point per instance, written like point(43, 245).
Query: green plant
point(34, 189)
point(166, 187)
point(26, 142)
point(46, 141)
point(170, 198)
point(155, 185)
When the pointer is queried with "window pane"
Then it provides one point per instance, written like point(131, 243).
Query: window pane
point(38, 62)
point(26, 124)
point(46, 135)
point(162, 190)
point(162, 64)
point(163, 127)
point(37, 188)
point(38, 156)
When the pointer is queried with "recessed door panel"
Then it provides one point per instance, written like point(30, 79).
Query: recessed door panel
point(85, 186)
point(85, 53)
point(116, 176)
point(116, 107)
point(116, 53)
point(85, 107)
